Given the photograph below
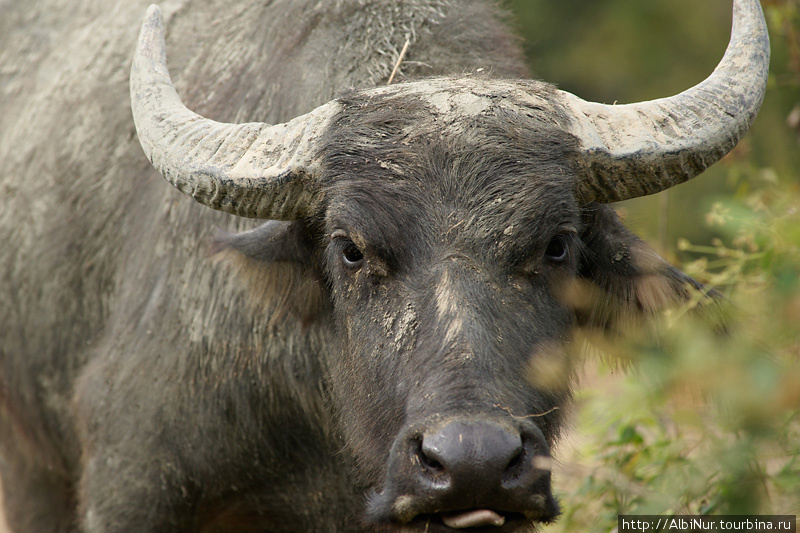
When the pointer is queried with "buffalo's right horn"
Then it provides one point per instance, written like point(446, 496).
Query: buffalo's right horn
point(643, 148)
point(253, 170)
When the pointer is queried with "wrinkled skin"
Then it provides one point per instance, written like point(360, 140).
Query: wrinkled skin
point(155, 376)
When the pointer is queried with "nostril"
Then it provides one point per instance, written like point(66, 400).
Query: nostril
point(530, 463)
point(431, 465)
point(425, 460)
point(516, 462)
point(515, 469)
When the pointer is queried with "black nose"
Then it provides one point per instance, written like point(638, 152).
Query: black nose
point(467, 472)
point(471, 457)
point(471, 470)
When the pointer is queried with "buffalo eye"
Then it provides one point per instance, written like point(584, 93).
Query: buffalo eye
point(558, 249)
point(351, 255)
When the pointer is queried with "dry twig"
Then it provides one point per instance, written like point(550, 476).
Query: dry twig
point(399, 61)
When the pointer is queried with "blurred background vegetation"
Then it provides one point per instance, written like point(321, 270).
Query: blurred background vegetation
point(688, 420)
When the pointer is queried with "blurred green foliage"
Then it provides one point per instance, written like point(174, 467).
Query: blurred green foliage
point(689, 420)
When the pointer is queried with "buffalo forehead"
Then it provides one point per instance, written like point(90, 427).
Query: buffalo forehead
point(394, 174)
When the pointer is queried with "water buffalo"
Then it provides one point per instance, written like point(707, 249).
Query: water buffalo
point(388, 352)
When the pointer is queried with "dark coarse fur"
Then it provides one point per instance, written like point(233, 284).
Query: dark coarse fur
point(152, 381)
point(412, 197)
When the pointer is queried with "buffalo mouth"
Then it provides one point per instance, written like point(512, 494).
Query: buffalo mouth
point(475, 520)
point(434, 510)
point(466, 474)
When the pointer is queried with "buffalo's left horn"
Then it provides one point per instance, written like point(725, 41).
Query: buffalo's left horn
point(253, 170)
point(638, 149)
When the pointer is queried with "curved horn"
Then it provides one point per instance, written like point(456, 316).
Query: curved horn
point(253, 170)
point(638, 149)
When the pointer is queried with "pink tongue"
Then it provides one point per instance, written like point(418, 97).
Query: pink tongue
point(479, 517)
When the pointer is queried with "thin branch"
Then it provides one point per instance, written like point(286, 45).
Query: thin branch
point(399, 60)
point(537, 415)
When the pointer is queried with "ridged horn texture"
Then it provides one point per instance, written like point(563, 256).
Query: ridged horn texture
point(253, 170)
point(639, 149)
point(268, 171)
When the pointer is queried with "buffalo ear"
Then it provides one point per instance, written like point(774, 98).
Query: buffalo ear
point(278, 263)
point(621, 278)
point(274, 241)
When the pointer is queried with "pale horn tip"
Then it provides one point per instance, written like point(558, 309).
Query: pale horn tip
point(151, 37)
